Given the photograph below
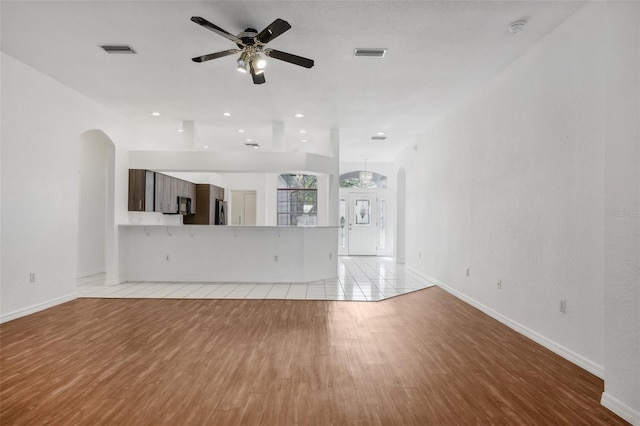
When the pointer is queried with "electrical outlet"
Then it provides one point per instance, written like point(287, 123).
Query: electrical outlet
point(275, 258)
point(467, 271)
point(330, 256)
point(420, 255)
point(499, 284)
point(32, 277)
point(563, 306)
point(167, 257)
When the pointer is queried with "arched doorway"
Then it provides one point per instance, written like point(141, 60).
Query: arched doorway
point(95, 204)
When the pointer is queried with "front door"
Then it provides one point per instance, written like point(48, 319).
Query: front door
point(363, 224)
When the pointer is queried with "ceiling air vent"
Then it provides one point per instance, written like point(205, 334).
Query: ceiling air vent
point(369, 53)
point(117, 48)
point(252, 145)
point(378, 138)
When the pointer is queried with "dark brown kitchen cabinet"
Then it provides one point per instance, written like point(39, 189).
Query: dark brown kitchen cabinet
point(207, 197)
point(161, 191)
point(141, 192)
point(155, 192)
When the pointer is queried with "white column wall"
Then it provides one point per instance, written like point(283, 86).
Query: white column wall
point(622, 211)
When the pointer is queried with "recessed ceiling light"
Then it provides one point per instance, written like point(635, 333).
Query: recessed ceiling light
point(249, 140)
point(206, 146)
point(256, 147)
point(381, 134)
point(155, 113)
point(303, 131)
point(240, 131)
point(298, 115)
point(226, 114)
point(180, 130)
point(303, 140)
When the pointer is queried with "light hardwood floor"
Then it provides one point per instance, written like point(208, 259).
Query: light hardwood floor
point(424, 358)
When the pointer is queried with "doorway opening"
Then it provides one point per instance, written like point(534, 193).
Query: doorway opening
point(362, 214)
point(95, 205)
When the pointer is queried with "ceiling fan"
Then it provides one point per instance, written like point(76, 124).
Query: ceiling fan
point(251, 47)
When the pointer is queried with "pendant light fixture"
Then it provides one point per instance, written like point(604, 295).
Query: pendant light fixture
point(365, 176)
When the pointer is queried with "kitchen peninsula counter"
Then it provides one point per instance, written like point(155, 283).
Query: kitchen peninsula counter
point(210, 253)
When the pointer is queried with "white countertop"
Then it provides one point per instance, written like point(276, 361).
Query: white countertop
point(142, 225)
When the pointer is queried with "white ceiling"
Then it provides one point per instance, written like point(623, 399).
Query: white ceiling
point(439, 53)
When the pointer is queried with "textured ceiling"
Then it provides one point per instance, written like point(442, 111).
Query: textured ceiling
point(439, 53)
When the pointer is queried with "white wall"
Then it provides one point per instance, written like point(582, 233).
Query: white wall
point(622, 211)
point(401, 217)
point(512, 184)
point(42, 121)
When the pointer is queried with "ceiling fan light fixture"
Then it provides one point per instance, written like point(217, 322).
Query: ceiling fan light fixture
point(250, 44)
point(242, 66)
point(243, 63)
point(259, 62)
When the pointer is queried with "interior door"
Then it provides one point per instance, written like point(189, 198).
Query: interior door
point(243, 208)
point(363, 224)
point(250, 209)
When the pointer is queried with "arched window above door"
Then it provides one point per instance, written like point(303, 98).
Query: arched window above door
point(363, 179)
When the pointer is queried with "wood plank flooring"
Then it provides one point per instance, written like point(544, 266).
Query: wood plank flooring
point(425, 358)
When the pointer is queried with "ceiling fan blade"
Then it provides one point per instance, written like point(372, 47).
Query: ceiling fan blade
point(275, 29)
point(216, 55)
point(288, 57)
point(208, 25)
point(257, 78)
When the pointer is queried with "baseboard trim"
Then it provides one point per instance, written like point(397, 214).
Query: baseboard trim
point(568, 354)
point(89, 274)
point(620, 408)
point(36, 308)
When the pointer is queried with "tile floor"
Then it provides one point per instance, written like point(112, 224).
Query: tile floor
point(366, 279)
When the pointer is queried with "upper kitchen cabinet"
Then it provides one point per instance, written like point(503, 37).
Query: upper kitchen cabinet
point(141, 190)
point(166, 194)
point(162, 193)
point(155, 192)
